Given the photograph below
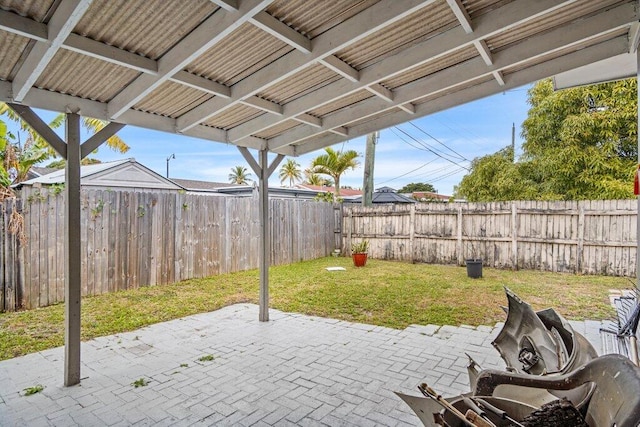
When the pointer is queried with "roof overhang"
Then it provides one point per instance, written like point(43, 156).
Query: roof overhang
point(615, 68)
point(292, 76)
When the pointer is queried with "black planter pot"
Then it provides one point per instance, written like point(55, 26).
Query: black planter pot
point(474, 268)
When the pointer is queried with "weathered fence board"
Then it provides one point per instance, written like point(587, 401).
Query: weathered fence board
point(132, 239)
point(590, 237)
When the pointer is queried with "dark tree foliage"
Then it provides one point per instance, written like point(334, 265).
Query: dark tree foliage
point(418, 186)
point(580, 143)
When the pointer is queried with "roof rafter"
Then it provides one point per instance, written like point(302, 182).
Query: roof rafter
point(467, 71)
point(462, 15)
point(64, 19)
point(211, 31)
point(369, 21)
point(510, 15)
point(281, 31)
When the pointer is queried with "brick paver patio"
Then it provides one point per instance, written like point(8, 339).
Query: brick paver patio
point(293, 370)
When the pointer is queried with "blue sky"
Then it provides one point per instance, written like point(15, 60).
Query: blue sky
point(471, 130)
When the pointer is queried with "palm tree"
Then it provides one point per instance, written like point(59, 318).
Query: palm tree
point(239, 175)
point(335, 163)
point(316, 179)
point(290, 170)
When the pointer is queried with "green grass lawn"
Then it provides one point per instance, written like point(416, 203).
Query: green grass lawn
point(383, 293)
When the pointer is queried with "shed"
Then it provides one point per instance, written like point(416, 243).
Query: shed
point(120, 174)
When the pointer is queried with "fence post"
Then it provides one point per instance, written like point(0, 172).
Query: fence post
point(580, 251)
point(514, 235)
point(349, 228)
point(459, 242)
point(412, 231)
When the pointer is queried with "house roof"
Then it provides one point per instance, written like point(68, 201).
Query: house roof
point(387, 195)
point(40, 171)
point(118, 173)
point(344, 192)
point(196, 185)
point(429, 195)
point(292, 76)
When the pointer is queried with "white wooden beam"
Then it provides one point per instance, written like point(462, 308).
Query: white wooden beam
point(381, 91)
point(48, 100)
point(281, 31)
point(528, 75)
point(264, 105)
point(341, 130)
point(62, 22)
point(339, 66)
point(462, 15)
point(228, 5)
point(499, 78)
point(22, 26)
point(206, 35)
point(510, 15)
point(367, 22)
point(484, 51)
point(200, 83)
point(408, 107)
point(309, 119)
point(95, 49)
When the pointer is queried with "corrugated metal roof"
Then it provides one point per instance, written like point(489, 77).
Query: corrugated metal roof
point(343, 102)
point(409, 31)
point(172, 99)
point(430, 67)
point(234, 116)
point(312, 78)
point(90, 79)
point(349, 63)
point(312, 18)
point(250, 49)
point(278, 129)
point(145, 27)
point(545, 22)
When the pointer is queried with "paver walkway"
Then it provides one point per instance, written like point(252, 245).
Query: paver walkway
point(293, 370)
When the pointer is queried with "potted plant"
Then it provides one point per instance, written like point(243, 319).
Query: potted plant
point(359, 253)
point(473, 262)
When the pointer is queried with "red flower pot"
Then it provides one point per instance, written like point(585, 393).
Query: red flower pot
point(359, 260)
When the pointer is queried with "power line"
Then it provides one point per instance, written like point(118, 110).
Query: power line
point(438, 141)
point(431, 149)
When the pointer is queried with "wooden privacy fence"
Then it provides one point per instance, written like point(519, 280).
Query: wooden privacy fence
point(589, 237)
point(131, 239)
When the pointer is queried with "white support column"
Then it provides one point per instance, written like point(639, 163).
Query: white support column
point(263, 170)
point(72, 263)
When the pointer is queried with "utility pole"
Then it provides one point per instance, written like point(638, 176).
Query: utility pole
point(369, 160)
point(513, 142)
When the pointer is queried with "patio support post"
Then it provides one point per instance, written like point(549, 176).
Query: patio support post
point(72, 261)
point(73, 152)
point(263, 170)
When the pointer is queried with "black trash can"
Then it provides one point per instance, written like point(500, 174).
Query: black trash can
point(474, 268)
